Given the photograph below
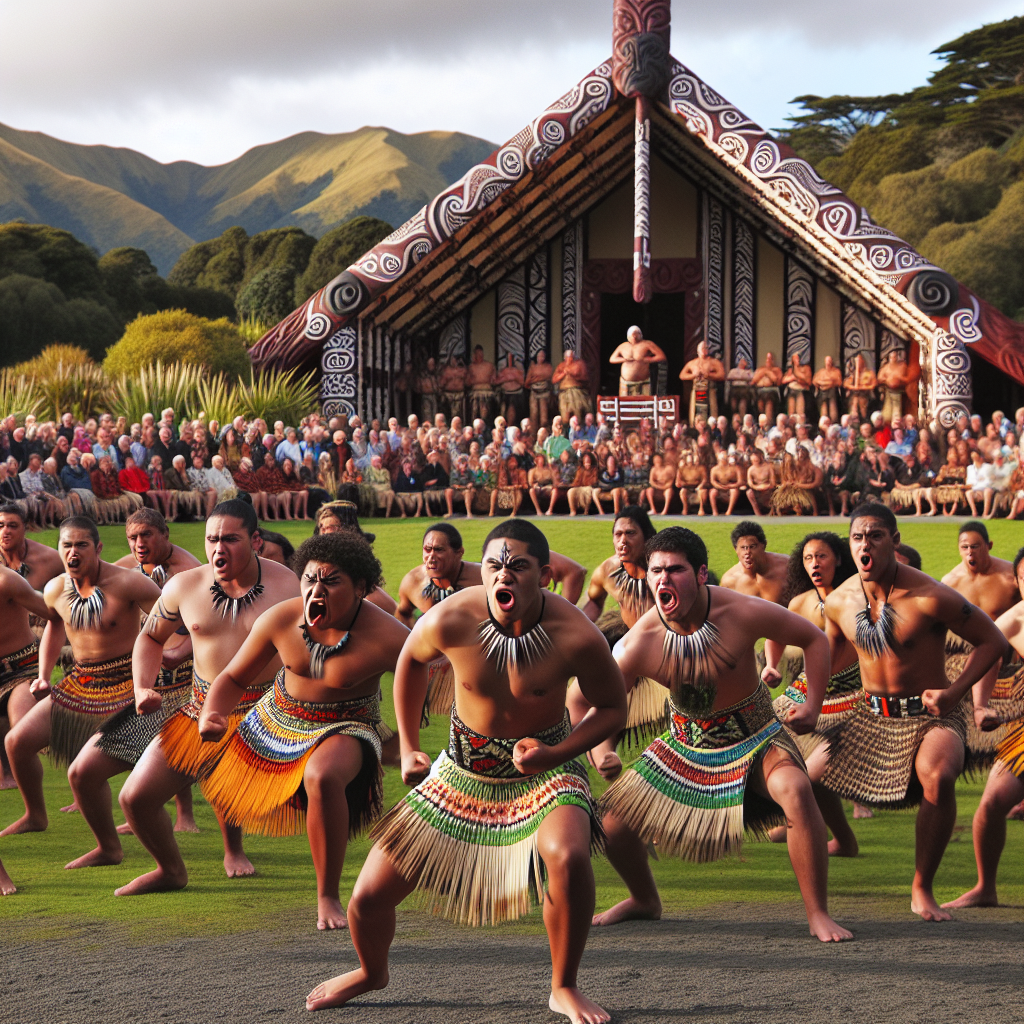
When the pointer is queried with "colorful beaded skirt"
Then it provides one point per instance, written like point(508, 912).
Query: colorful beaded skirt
point(15, 669)
point(842, 695)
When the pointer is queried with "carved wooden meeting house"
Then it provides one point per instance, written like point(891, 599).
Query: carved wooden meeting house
point(643, 196)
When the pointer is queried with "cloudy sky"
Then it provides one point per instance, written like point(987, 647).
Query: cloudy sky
point(205, 80)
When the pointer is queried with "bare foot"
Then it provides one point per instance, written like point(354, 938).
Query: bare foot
point(6, 885)
point(26, 824)
point(860, 811)
point(330, 914)
point(1016, 813)
point(341, 989)
point(185, 823)
point(237, 865)
point(95, 859)
point(777, 834)
point(8, 782)
point(923, 903)
point(824, 928)
point(976, 897)
point(572, 1003)
point(836, 849)
point(153, 881)
point(71, 808)
point(629, 910)
point(124, 830)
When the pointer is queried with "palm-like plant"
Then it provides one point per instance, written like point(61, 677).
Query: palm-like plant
point(251, 329)
point(155, 388)
point(19, 395)
point(217, 398)
point(276, 395)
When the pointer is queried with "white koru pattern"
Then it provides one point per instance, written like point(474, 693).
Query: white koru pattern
point(800, 292)
point(511, 317)
point(338, 384)
point(963, 324)
point(713, 237)
point(537, 302)
point(572, 287)
point(858, 338)
point(642, 193)
point(743, 338)
point(951, 378)
point(454, 340)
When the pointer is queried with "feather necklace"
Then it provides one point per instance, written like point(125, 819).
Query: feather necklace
point(632, 589)
point(877, 637)
point(86, 612)
point(688, 661)
point(159, 575)
point(319, 653)
point(236, 605)
point(518, 652)
point(438, 589)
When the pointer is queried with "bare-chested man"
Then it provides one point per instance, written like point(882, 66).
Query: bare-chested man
point(453, 387)
point(759, 572)
point(635, 356)
point(315, 739)
point(514, 648)
point(893, 377)
point(860, 386)
point(538, 381)
point(571, 376)
point(726, 479)
point(1004, 789)
point(698, 643)
point(19, 666)
point(510, 380)
point(97, 607)
point(705, 371)
point(767, 383)
point(827, 382)
point(427, 388)
point(692, 482)
point(989, 584)
point(661, 481)
point(739, 380)
point(444, 572)
point(761, 482)
point(905, 743)
point(218, 603)
point(797, 381)
point(480, 377)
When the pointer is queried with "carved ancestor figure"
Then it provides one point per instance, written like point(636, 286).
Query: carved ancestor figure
point(767, 380)
point(538, 380)
point(453, 388)
point(860, 386)
point(704, 371)
point(798, 382)
point(510, 380)
point(481, 379)
point(635, 356)
point(739, 380)
point(893, 377)
point(827, 382)
point(571, 376)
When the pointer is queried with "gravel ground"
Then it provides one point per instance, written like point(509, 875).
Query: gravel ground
point(732, 963)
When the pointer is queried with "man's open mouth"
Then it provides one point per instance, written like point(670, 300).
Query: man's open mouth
point(504, 599)
point(316, 611)
point(667, 600)
point(220, 563)
point(865, 561)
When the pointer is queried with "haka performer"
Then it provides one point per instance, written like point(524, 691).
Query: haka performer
point(508, 802)
point(444, 572)
point(218, 603)
point(726, 765)
point(1005, 786)
point(308, 755)
point(97, 607)
point(818, 564)
point(904, 745)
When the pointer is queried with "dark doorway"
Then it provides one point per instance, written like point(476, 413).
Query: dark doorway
point(663, 321)
point(993, 389)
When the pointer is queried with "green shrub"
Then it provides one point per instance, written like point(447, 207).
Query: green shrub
point(155, 388)
point(274, 395)
point(269, 297)
point(66, 380)
point(177, 336)
point(19, 395)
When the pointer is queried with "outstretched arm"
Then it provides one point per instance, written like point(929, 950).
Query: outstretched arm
point(21, 592)
point(50, 646)
point(596, 595)
point(571, 575)
point(410, 691)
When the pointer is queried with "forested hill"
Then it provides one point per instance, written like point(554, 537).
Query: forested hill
point(109, 197)
point(941, 165)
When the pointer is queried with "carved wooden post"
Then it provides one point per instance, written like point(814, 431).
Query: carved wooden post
point(640, 68)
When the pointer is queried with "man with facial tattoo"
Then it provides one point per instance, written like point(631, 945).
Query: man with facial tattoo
point(904, 746)
point(726, 764)
point(309, 753)
point(97, 608)
point(509, 794)
point(218, 603)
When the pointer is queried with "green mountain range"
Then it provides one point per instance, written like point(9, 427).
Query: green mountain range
point(110, 197)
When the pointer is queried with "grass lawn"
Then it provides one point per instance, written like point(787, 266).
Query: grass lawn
point(51, 901)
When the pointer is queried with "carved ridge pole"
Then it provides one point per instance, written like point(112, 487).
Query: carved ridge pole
point(641, 68)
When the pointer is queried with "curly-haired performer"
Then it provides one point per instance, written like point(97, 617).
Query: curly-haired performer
point(309, 752)
point(509, 795)
point(726, 764)
point(904, 745)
